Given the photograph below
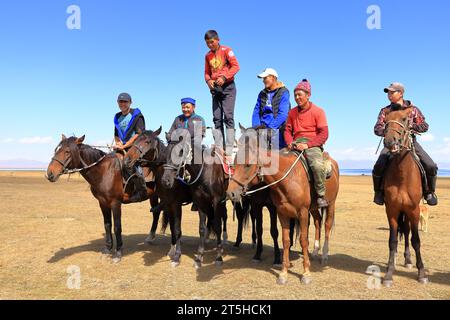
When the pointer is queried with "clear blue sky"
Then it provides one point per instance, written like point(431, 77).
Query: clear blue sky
point(55, 80)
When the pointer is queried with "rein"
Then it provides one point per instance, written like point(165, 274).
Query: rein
point(69, 160)
point(261, 178)
point(183, 166)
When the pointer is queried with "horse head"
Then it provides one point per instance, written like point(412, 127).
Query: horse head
point(397, 135)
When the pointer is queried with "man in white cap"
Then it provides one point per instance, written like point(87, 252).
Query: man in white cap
point(418, 124)
point(272, 106)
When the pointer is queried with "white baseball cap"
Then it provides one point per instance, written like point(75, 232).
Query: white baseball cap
point(268, 72)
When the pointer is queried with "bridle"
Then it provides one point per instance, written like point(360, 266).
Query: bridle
point(405, 134)
point(187, 157)
point(68, 161)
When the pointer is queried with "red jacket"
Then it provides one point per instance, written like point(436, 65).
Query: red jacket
point(223, 62)
point(310, 123)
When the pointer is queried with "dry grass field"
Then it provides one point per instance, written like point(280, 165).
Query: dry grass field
point(45, 228)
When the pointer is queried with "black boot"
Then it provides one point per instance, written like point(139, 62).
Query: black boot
point(378, 188)
point(430, 195)
point(140, 190)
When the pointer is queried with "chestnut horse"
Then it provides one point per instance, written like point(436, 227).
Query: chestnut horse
point(104, 174)
point(402, 192)
point(290, 191)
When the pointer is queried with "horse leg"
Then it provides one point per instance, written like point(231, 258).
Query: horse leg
point(258, 214)
point(202, 232)
point(108, 225)
point(219, 208)
point(415, 240)
point(407, 254)
point(317, 224)
point(274, 234)
point(173, 234)
point(328, 226)
point(240, 217)
point(225, 233)
point(156, 213)
point(253, 217)
point(117, 214)
point(177, 225)
point(304, 217)
point(291, 232)
point(393, 243)
point(285, 226)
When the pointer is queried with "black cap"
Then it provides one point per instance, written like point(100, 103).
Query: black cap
point(124, 97)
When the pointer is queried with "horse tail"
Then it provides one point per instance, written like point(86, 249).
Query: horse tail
point(401, 225)
point(164, 221)
point(245, 207)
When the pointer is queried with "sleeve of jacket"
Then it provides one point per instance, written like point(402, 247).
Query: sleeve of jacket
point(234, 65)
point(207, 69)
point(256, 121)
point(288, 132)
point(140, 125)
point(418, 122)
point(320, 139)
point(283, 111)
point(380, 125)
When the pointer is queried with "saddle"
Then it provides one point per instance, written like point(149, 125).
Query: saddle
point(327, 163)
point(149, 177)
point(220, 153)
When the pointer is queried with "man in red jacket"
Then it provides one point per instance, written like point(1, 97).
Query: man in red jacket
point(308, 122)
point(221, 66)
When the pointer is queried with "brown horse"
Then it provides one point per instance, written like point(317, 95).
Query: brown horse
point(290, 192)
point(402, 193)
point(104, 174)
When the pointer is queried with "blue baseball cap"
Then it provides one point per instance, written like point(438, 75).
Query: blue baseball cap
point(188, 100)
point(124, 97)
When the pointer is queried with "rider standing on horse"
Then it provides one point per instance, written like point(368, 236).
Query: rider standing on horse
point(221, 67)
point(417, 124)
point(308, 122)
point(129, 123)
point(272, 107)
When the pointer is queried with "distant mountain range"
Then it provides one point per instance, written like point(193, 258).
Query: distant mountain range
point(343, 164)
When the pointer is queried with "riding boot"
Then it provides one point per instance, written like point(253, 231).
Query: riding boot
point(430, 195)
point(140, 190)
point(378, 188)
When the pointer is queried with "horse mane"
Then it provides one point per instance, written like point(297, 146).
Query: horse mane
point(88, 153)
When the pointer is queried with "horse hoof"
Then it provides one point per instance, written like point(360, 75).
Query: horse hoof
point(423, 280)
point(197, 264)
point(219, 263)
point(324, 261)
point(174, 264)
point(235, 247)
point(255, 260)
point(150, 238)
point(409, 266)
point(281, 281)
point(388, 283)
point(106, 252)
point(306, 279)
point(277, 265)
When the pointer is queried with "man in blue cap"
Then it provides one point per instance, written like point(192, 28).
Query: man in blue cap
point(129, 123)
point(192, 123)
point(189, 120)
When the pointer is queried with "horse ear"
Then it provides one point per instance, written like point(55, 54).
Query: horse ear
point(63, 137)
point(158, 132)
point(167, 137)
point(80, 139)
point(242, 127)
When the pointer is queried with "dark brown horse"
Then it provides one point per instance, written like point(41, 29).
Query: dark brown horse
point(104, 174)
point(290, 192)
point(149, 151)
point(402, 193)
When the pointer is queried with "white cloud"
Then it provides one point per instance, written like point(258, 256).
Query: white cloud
point(36, 140)
point(426, 137)
point(6, 140)
point(447, 139)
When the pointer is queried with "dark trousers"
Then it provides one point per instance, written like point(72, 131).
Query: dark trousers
point(223, 110)
point(428, 164)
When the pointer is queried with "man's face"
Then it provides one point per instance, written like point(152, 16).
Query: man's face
point(213, 44)
point(124, 106)
point(395, 96)
point(302, 97)
point(187, 109)
point(269, 81)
